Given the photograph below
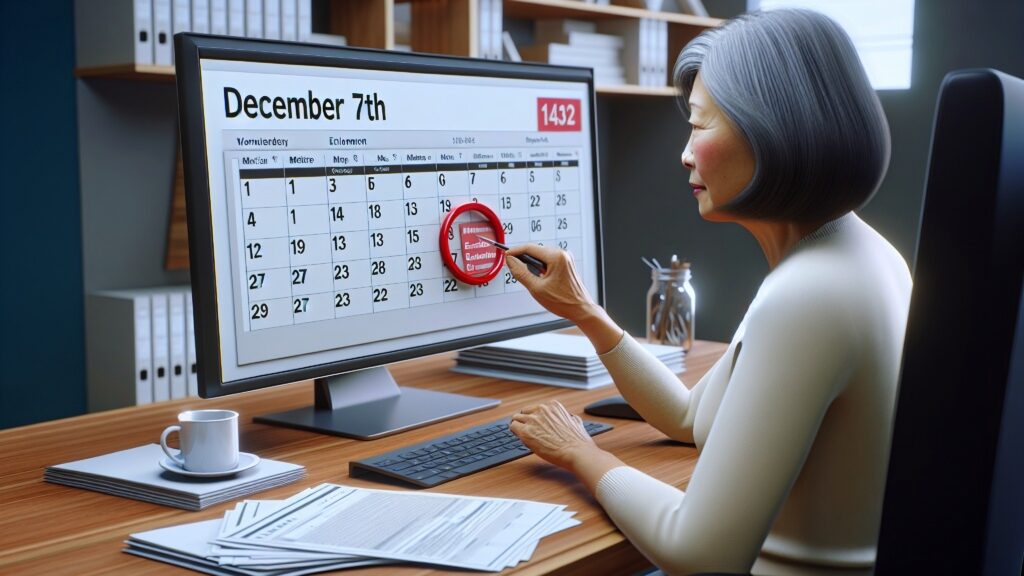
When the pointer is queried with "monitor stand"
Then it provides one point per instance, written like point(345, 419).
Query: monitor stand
point(368, 404)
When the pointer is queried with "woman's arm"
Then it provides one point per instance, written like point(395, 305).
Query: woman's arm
point(797, 355)
point(650, 387)
point(653, 390)
point(798, 352)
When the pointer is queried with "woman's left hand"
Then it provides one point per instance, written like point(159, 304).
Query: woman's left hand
point(553, 434)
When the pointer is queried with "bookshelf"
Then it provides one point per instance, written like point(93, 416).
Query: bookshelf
point(148, 72)
point(166, 74)
point(535, 9)
point(370, 24)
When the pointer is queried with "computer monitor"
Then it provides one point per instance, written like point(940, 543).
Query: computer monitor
point(316, 181)
point(954, 495)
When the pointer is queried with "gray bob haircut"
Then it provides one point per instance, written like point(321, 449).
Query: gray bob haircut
point(792, 83)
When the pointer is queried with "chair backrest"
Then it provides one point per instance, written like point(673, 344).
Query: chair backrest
point(954, 497)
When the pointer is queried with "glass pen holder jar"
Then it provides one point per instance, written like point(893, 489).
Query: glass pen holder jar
point(671, 305)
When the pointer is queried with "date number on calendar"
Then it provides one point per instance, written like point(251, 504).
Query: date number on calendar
point(558, 114)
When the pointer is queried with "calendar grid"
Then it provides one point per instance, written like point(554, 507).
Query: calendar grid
point(394, 201)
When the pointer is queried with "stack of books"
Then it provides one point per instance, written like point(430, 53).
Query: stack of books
point(563, 360)
point(135, 473)
point(578, 43)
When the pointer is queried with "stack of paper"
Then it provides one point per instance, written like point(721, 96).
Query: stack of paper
point(577, 43)
point(555, 359)
point(136, 473)
point(332, 527)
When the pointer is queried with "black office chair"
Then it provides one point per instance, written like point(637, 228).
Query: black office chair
point(954, 498)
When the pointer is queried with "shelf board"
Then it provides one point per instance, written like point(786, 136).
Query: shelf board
point(166, 74)
point(634, 90)
point(129, 71)
point(532, 9)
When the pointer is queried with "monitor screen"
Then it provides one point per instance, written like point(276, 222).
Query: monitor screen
point(317, 180)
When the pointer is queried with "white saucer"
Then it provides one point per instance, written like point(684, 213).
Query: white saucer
point(245, 461)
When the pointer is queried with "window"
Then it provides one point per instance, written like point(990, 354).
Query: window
point(881, 30)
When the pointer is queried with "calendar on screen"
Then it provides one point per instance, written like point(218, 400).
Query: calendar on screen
point(328, 188)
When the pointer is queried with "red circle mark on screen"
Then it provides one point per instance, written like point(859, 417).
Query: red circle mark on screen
point(481, 262)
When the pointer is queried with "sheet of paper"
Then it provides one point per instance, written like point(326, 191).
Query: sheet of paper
point(186, 545)
point(333, 527)
point(458, 531)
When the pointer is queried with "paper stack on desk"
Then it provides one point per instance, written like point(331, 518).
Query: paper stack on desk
point(555, 359)
point(332, 527)
point(135, 473)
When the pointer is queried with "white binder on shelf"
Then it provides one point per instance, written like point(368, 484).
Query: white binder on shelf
point(305, 20)
point(652, 52)
point(289, 20)
point(119, 350)
point(236, 18)
point(163, 29)
point(177, 363)
point(190, 347)
point(110, 33)
point(161, 347)
point(143, 17)
point(664, 55)
point(254, 18)
point(201, 16)
point(272, 19)
point(483, 28)
point(181, 18)
point(219, 17)
point(656, 65)
point(496, 28)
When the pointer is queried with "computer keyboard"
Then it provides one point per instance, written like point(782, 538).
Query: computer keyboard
point(449, 457)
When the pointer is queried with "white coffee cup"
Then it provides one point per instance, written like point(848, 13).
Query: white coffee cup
point(208, 438)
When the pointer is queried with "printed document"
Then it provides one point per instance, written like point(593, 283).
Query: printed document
point(449, 530)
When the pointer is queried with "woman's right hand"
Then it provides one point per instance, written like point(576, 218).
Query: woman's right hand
point(559, 289)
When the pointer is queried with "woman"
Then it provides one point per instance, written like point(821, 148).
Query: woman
point(793, 423)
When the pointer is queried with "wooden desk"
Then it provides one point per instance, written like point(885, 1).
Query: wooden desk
point(51, 529)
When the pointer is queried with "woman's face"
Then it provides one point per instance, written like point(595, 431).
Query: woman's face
point(719, 158)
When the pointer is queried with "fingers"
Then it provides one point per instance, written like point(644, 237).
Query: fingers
point(551, 408)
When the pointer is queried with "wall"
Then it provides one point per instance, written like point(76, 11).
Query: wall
point(655, 214)
point(42, 358)
point(127, 138)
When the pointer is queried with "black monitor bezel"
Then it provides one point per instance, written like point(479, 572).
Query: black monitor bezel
point(189, 49)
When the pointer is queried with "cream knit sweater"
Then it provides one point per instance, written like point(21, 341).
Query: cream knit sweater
point(792, 424)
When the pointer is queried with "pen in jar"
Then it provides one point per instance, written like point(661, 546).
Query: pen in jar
point(534, 265)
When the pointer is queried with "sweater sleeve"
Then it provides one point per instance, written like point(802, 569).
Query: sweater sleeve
point(795, 358)
point(653, 390)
